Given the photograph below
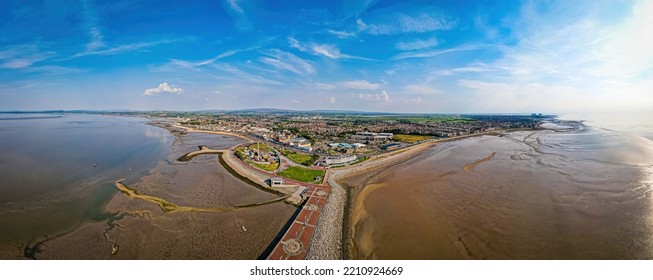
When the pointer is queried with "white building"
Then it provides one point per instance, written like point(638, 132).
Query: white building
point(276, 182)
point(344, 159)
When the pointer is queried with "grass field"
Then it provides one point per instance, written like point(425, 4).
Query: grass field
point(267, 167)
point(300, 158)
point(303, 159)
point(406, 138)
point(302, 174)
point(263, 147)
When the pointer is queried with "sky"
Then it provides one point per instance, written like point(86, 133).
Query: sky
point(371, 55)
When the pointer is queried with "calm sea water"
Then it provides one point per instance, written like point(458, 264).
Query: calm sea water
point(58, 170)
point(636, 123)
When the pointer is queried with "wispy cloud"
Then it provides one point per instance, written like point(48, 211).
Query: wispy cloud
point(163, 88)
point(473, 68)
point(243, 75)
point(225, 54)
point(422, 89)
point(360, 84)
point(121, 48)
point(238, 14)
point(92, 26)
point(433, 53)
point(416, 44)
point(565, 63)
point(405, 19)
point(325, 50)
point(324, 86)
point(22, 56)
point(286, 61)
point(342, 34)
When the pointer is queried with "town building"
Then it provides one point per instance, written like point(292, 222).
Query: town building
point(372, 136)
point(276, 181)
point(338, 160)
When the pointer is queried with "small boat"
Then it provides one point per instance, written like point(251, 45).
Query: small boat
point(243, 228)
point(114, 249)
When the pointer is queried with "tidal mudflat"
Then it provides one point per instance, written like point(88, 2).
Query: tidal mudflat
point(116, 226)
point(570, 192)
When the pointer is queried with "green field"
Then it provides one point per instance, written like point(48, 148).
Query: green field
point(299, 158)
point(302, 174)
point(303, 159)
point(428, 119)
point(407, 138)
point(263, 147)
point(267, 167)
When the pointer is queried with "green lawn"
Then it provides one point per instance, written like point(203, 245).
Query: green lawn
point(302, 174)
point(263, 147)
point(267, 167)
point(303, 159)
point(406, 138)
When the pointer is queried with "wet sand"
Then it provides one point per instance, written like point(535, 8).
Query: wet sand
point(143, 230)
point(528, 195)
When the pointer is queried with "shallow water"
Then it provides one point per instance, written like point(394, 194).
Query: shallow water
point(576, 194)
point(58, 170)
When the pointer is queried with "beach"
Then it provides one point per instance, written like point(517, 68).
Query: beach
point(579, 194)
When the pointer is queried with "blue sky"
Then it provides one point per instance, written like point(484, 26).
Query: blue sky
point(396, 56)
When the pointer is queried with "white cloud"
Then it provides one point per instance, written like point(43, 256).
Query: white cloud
point(411, 101)
point(294, 43)
point(416, 44)
point(422, 89)
point(163, 88)
point(342, 34)
point(434, 53)
point(326, 50)
point(567, 62)
point(288, 62)
point(332, 100)
point(324, 86)
point(360, 84)
point(383, 96)
point(474, 68)
point(22, 56)
point(402, 19)
point(90, 15)
point(238, 14)
point(121, 48)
